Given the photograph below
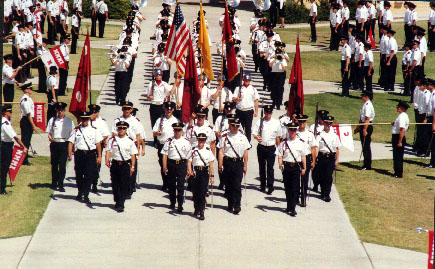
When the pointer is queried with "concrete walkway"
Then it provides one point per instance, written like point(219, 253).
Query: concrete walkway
point(148, 234)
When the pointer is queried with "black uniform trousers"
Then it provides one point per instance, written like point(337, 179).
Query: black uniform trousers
point(277, 80)
point(58, 158)
point(398, 155)
point(431, 39)
point(42, 24)
point(368, 80)
point(358, 29)
point(313, 29)
point(121, 86)
point(85, 166)
point(222, 181)
point(255, 55)
point(233, 174)
point(75, 37)
point(335, 41)
point(215, 114)
point(6, 158)
point(160, 155)
point(51, 109)
point(408, 33)
point(199, 187)
point(382, 78)
point(166, 75)
point(246, 121)
point(352, 76)
point(97, 176)
point(130, 72)
point(273, 14)
point(93, 24)
point(390, 74)
point(176, 179)
point(133, 177)
point(426, 134)
point(26, 134)
point(63, 77)
point(432, 153)
point(366, 145)
point(345, 83)
point(156, 112)
point(101, 24)
point(266, 161)
point(120, 177)
point(42, 77)
point(406, 81)
point(417, 143)
point(291, 177)
point(360, 76)
point(8, 92)
point(51, 34)
point(305, 179)
point(326, 165)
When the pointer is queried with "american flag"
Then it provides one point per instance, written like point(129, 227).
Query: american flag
point(178, 40)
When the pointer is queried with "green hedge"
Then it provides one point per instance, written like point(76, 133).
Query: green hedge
point(118, 9)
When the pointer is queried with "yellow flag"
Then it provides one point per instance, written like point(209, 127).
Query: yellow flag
point(204, 45)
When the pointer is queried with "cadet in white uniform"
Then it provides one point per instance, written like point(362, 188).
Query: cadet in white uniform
point(292, 163)
point(346, 54)
point(8, 78)
point(52, 87)
point(267, 131)
point(86, 140)
point(366, 116)
point(102, 16)
point(400, 125)
point(120, 158)
point(176, 95)
point(369, 68)
point(175, 153)
point(201, 158)
point(59, 129)
point(63, 73)
point(391, 61)
point(220, 96)
point(27, 124)
point(233, 162)
point(199, 126)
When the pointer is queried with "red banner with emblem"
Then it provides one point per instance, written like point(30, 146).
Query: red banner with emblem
point(39, 118)
point(18, 155)
point(431, 250)
point(54, 57)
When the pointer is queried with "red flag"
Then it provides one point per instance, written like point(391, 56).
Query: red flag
point(18, 155)
point(191, 92)
point(54, 57)
point(82, 84)
point(431, 250)
point(40, 116)
point(371, 41)
point(296, 97)
point(227, 39)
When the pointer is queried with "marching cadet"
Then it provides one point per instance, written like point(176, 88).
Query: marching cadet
point(201, 158)
point(336, 24)
point(120, 158)
point(321, 115)
point(328, 153)
point(345, 16)
point(361, 17)
point(121, 60)
point(406, 60)
point(292, 163)
point(278, 63)
point(206, 93)
point(233, 162)
point(431, 85)
point(246, 98)
point(221, 96)
point(346, 54)
point(86, 140)
point(176, 96)
point(27, 124)
point(309, 140)
point(266, 49)
point(367, 114)
point(198, 124)
point(75, 26)
point(429, 117)
point(8, 78)
point(369, 68)
point(53, 86)
point(415, 66)
point(312, 20)
point(267, 131)
point(99, 123)
point(391, 61)
point(42, 75)
point(285, 119)
point(383, 49)
point(157, 92)
point(407, 23)
point(423, 47)
point(423, 103)
point(102, 16)
point(19, 52)
point(400, 125)
point(163, 131)
point(175, 153)
point(59, 129)
point(63, 73)
point(163, 62)
point(7, 144)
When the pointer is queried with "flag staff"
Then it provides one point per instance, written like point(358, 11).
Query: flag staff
point(89, 67)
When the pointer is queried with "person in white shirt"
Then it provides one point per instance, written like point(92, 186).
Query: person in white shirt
point(221, 95)
point(359, 60)
point(367, 114)
point(75, 28)
point(163, 62)
point(398, 140)
point(381, 11)
point(63, 73)
point(368, 68)
point(346, 54)
point(52, 10)
point(121, 60)
point(391, 61)
point(415, 65)
point(267, 131)
point(406, 18)
point(423, 48)
point(278, 63)
point(406, 61)
point(360, 17)
point(431, 27)
point(27, 123)
point(387, 15)
point(103, 16)
point(336, 27)
point(371, 19)
point(345, 16)
point(8, 78)
point(176, 95)
point(312, 20)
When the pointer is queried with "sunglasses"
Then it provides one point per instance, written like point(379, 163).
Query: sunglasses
point(126, 108)
point(177, 130)
point(122, 128)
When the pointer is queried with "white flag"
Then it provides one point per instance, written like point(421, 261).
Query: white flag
point(344, 132)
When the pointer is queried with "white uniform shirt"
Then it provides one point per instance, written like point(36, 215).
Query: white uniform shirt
point(166, 128)
point(319, 128)
point(431, 19)
point(101, 126)
point(277, 65)
point(248, 96)
point(368, 58)
point(270, 130)
point(133, 126)
point(387, 15)
point(121, 65)
point(102, 7)
point(161, 59)
point(345, 13)
point(423, 46)
point(27, 106)
point(60, 129)
point(402, 121)
point(172, 145)
point(429, 108)
point(206, 155)
point(313, 9)
point(121, 148)
point(7, 132)
point(160, 92)
point(75, 21)
point(7, 73)
point(392, 46)
point(191, 134)
point(240, 144)
point(65, 51)
point(416, 56)
point(407, 16)
point(406, 59)
point(359, 52)
point(367, 110)
point(346, 52)
point(85, 138)
point(177, 97)
point(52, 81)
point(308, 139)
point(78, 5)
point(424, 101)
point(225, 95)
point(413, 17)
point(416, 97)
point(331, 140)
point(371, 12)
point(297, 148)
point(206, 94)
point(383, 45)
point(224, 126)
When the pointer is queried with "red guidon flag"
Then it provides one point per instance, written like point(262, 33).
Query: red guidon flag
point(54, 57)
point(18, 155)
point(191, 93)
point(296, 97)
point(82, 84)
point(370, 39)
point(40, 116)
point(431, 251)
point(227, 39)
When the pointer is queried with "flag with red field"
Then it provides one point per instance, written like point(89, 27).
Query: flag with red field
point(191, 92)
point(178, 41)
point(227, 39)
point(54, 57)
point(296, 97)
point(371, 40)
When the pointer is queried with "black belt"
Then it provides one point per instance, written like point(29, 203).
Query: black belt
point(87, 151)
point(200, 168)
point(177, 161)
point(327, 154)
point(233, 159)
point(291, 164)
point(120, 163)
point(266, 146)
point(6, 143)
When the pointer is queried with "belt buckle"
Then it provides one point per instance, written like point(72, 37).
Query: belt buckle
point(158, 103)
point(177, 161)
point(234, 159)
point(292, 164)
point(199, 168)
point(119, 163)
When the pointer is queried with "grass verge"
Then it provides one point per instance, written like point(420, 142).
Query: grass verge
point(23, 207)
point(384, 210)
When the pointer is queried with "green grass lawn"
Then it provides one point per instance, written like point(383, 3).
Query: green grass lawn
point(289, 35)
point(346, 110)
point(385, 210)
point(23, 207)
point(111, 32)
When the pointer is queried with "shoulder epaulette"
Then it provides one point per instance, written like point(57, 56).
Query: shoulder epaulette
point(282, 116)
point(131, 138)
point(77, 127)
point(103, 119)
point(207, 148)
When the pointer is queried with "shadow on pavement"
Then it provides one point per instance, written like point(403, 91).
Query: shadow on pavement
point(265, 208)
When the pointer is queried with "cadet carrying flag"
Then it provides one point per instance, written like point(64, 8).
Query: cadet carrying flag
point(191, 92)
point(296, 96)
point(177, 41)
point(204, 45)
point(227, 39)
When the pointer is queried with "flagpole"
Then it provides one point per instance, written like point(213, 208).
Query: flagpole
point(87, 66)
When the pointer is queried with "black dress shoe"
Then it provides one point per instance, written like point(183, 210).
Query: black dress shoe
point(293, 213)
point(315, 189)
point(196, 213)
point(327, 199)
point(116, 205)
point(94, 189)
point(172, 207)
point(428, 166)
point(87, 201)
point(230, 208)
point(79, 197)
point(237, 210)
point(128, 197)
point(201, 216)
point(134, 190)
point(270, 190)
point(61, 189)
point(53, 187)
point(287, 209)
point(121, 209)
point(164, 188)
point(303, 204)
point(263, 188)
point(221, 187)
point(180, 209)
point(3, 192)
